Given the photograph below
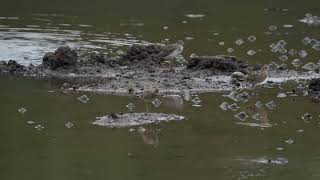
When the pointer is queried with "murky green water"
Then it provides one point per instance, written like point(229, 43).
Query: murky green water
point(208, 145)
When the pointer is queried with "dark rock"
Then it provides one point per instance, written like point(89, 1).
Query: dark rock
point(141, 54)
point(315, 85)
point(64, 56)
point(314, 88)
point(227, 64)
point(98, 58)
point(12, 67)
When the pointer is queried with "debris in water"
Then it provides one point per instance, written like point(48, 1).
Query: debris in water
point(22, 110)
point(272, 28)
point(130, 107)
point(221, 43)
point(296, 63)
point(261, 125)
point(306, 117)
point(196, 102)
point(259, 104)
point(289, 141)
point(244, 97)
point(252, 38)
point(300, 130)
point(156, 103)
point(283, 58)
point(230, 50)
point(132, 130)
point(39, 127)
point(288, 26)
point(30, 122)
point(310, 66)
point(281, 95)
point(84, 99)
point(165, 27)
point(233, 107)
point(280, 148)
point(224, 106)
point(251, 52)
point(239, 42)
point(135, 119)
point(271, 105)
point(303, 53)
point(69, 125)
point(195, 15)
point(242, 116)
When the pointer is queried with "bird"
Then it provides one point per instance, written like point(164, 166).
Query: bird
point(171, 51)
point(149, 95)
point(149, 136)
point(253, 77)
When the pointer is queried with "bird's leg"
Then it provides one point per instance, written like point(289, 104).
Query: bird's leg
point(146, 106)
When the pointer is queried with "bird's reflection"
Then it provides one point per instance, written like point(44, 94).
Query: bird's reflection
point(260, 114)
point(149, 136)
point(173, 101)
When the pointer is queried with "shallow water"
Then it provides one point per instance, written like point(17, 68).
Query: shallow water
point(210, 144)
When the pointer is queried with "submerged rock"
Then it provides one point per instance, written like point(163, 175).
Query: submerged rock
point(64, 56)
point(135, 119)
point(217, 64)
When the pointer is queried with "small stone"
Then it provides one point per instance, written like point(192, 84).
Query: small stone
point(69, 125)
point(233, 107)
point(30, 122)
point(306, 41)
point(84, 99)
point(283, 66)
point(242, 116)
point(196, 102)
point(292, 52)
point(165, 27)
point(221, 43)
point(22, 110)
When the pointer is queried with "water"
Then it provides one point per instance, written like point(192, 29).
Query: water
point(210, 144)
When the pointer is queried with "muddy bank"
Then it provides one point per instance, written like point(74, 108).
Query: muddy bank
point(142, 67)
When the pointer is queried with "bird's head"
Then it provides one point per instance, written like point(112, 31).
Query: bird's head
point(265, 67)
point(180, 42)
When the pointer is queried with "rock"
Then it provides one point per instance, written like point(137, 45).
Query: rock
point(314, 88)
point(98, 58)
point(146, 55)
point(64, 56)
point(227, 64)
point(11, 67)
